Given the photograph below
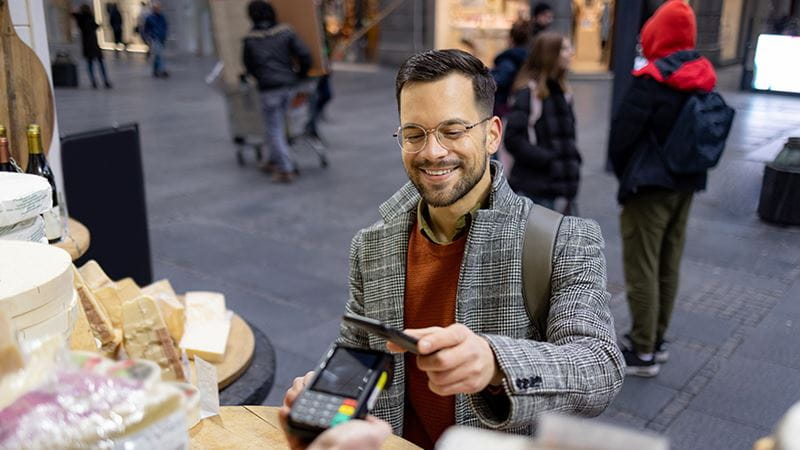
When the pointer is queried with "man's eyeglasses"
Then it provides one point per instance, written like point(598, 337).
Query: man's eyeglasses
point(413, 138)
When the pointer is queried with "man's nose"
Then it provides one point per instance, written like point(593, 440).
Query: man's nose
point(433, 149)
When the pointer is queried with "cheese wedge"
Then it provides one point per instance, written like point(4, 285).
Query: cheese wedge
point(22, 197)
point(112, 303)
point(10, 356)
point(93, 275)
point(207, 326)
point(146, 337)
point(101, 325)
point(82, 337)
point(172, 308)
point(204, 306)
point(127, 289)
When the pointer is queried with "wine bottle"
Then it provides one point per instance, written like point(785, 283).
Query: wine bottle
point(37, 165)
point(5, 156)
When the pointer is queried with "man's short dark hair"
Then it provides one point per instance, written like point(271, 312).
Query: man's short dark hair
point(433, 65)
point(261, 11)
point(541, 8)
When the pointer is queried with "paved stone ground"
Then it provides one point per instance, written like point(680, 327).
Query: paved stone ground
point(279, 252)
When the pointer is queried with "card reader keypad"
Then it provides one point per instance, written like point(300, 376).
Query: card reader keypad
point(323, 410)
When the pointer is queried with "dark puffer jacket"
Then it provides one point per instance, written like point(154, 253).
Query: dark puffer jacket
point(551, 166)
point(275, 56)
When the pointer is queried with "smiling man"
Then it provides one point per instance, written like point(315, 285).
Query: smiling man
point(445, 264)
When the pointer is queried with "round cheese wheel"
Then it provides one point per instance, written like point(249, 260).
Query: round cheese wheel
point(23, 196)
point(32, 275)
point(61, 324)
point(31, 230)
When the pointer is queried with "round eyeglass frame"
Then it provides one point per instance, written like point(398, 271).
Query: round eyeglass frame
point(435, 132)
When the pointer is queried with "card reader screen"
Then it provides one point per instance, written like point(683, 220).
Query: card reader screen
point(344, 375)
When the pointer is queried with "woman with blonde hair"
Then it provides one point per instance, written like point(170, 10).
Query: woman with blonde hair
point(540, 132)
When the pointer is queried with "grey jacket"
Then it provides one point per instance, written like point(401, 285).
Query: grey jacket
point(579, 368)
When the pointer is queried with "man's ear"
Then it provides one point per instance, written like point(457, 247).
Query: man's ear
point(494, 135)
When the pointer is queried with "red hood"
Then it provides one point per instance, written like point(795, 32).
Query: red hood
point(666, 39)
point(672, 28)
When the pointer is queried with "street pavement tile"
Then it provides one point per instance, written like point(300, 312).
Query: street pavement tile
point(700, 327)
point(683, 364)
point(694, 430)
point(774, 340)
point(642, 398)
point(790, 304)
point(749, 391)
point(618, 417)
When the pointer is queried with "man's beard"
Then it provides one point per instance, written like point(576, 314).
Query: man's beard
point(444, 198)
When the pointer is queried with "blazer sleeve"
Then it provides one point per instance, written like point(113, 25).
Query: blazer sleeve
point(516, 135)
point(355, 304)
point(579, 370)
point(629, 123)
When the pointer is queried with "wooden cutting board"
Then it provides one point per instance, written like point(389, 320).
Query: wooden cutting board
point(25, 93)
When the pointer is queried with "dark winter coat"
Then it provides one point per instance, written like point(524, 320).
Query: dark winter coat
point(506, 68)
point(156, 28)
point(88, 28)
point(275, 56)
point(549, 166)
point(652, 104)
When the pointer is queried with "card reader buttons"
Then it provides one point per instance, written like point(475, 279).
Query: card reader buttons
point(319, 409)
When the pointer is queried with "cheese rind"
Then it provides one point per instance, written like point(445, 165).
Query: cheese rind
point(22, 197)
point(61, 324)
point(100, 323)
point(32, 275)
point(82, 337)
point(147, 337)
point(109, 298)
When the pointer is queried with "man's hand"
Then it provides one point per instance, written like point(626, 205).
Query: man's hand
point(367, 434)
point(456, 360)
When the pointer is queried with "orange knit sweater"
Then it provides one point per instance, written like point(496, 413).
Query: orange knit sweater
point(430, 298)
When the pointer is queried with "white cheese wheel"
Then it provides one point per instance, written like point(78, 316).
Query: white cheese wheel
point(32, 275)
point(23, 196)
point(61, 324)
point(47, 311)
point(31, 230)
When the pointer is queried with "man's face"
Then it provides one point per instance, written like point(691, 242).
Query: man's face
point(441, 175)
point(545, 19)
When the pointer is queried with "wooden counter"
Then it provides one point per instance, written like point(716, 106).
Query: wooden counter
point(77, 241)
point(256, 427)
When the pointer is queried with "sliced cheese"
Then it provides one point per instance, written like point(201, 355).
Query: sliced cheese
point(203, 306)
point(32, 275)
point(127, 289)
point(31, 230)
point(93, 275)
point(206, 340)
point(172, 309)
point(82, 337)
point(101, 325)
point(10, 356)
point(146, 337)
point(112, 303)
point(22, 197)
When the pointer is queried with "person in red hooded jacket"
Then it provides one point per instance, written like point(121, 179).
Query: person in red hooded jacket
point(655, 202)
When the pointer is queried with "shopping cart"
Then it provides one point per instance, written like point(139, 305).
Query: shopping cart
point(247, 125)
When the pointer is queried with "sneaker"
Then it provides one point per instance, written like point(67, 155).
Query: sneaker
point(637, 367)
point(662, 353)
point(269, 167)
point(283, 177)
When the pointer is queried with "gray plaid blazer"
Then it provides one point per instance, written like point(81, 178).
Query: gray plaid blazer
point(577, 369)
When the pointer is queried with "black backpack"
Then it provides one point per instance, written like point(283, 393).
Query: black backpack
point(698, 137)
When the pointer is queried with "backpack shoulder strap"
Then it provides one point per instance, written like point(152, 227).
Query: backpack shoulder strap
point(541, 230)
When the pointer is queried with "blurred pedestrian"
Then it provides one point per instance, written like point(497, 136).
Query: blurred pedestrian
point(541, 18)
point(508, 63)
point(655, 201)
point(277, 59)
point(156, 29)
point(84, 17)
point(115, 20)
point(540, 129)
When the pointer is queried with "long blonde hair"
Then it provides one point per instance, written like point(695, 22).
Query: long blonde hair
point(542, 64)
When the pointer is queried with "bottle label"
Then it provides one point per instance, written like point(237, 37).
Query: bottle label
point(52, 224)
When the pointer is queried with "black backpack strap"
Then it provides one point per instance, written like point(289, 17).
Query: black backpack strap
point(541, 231)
